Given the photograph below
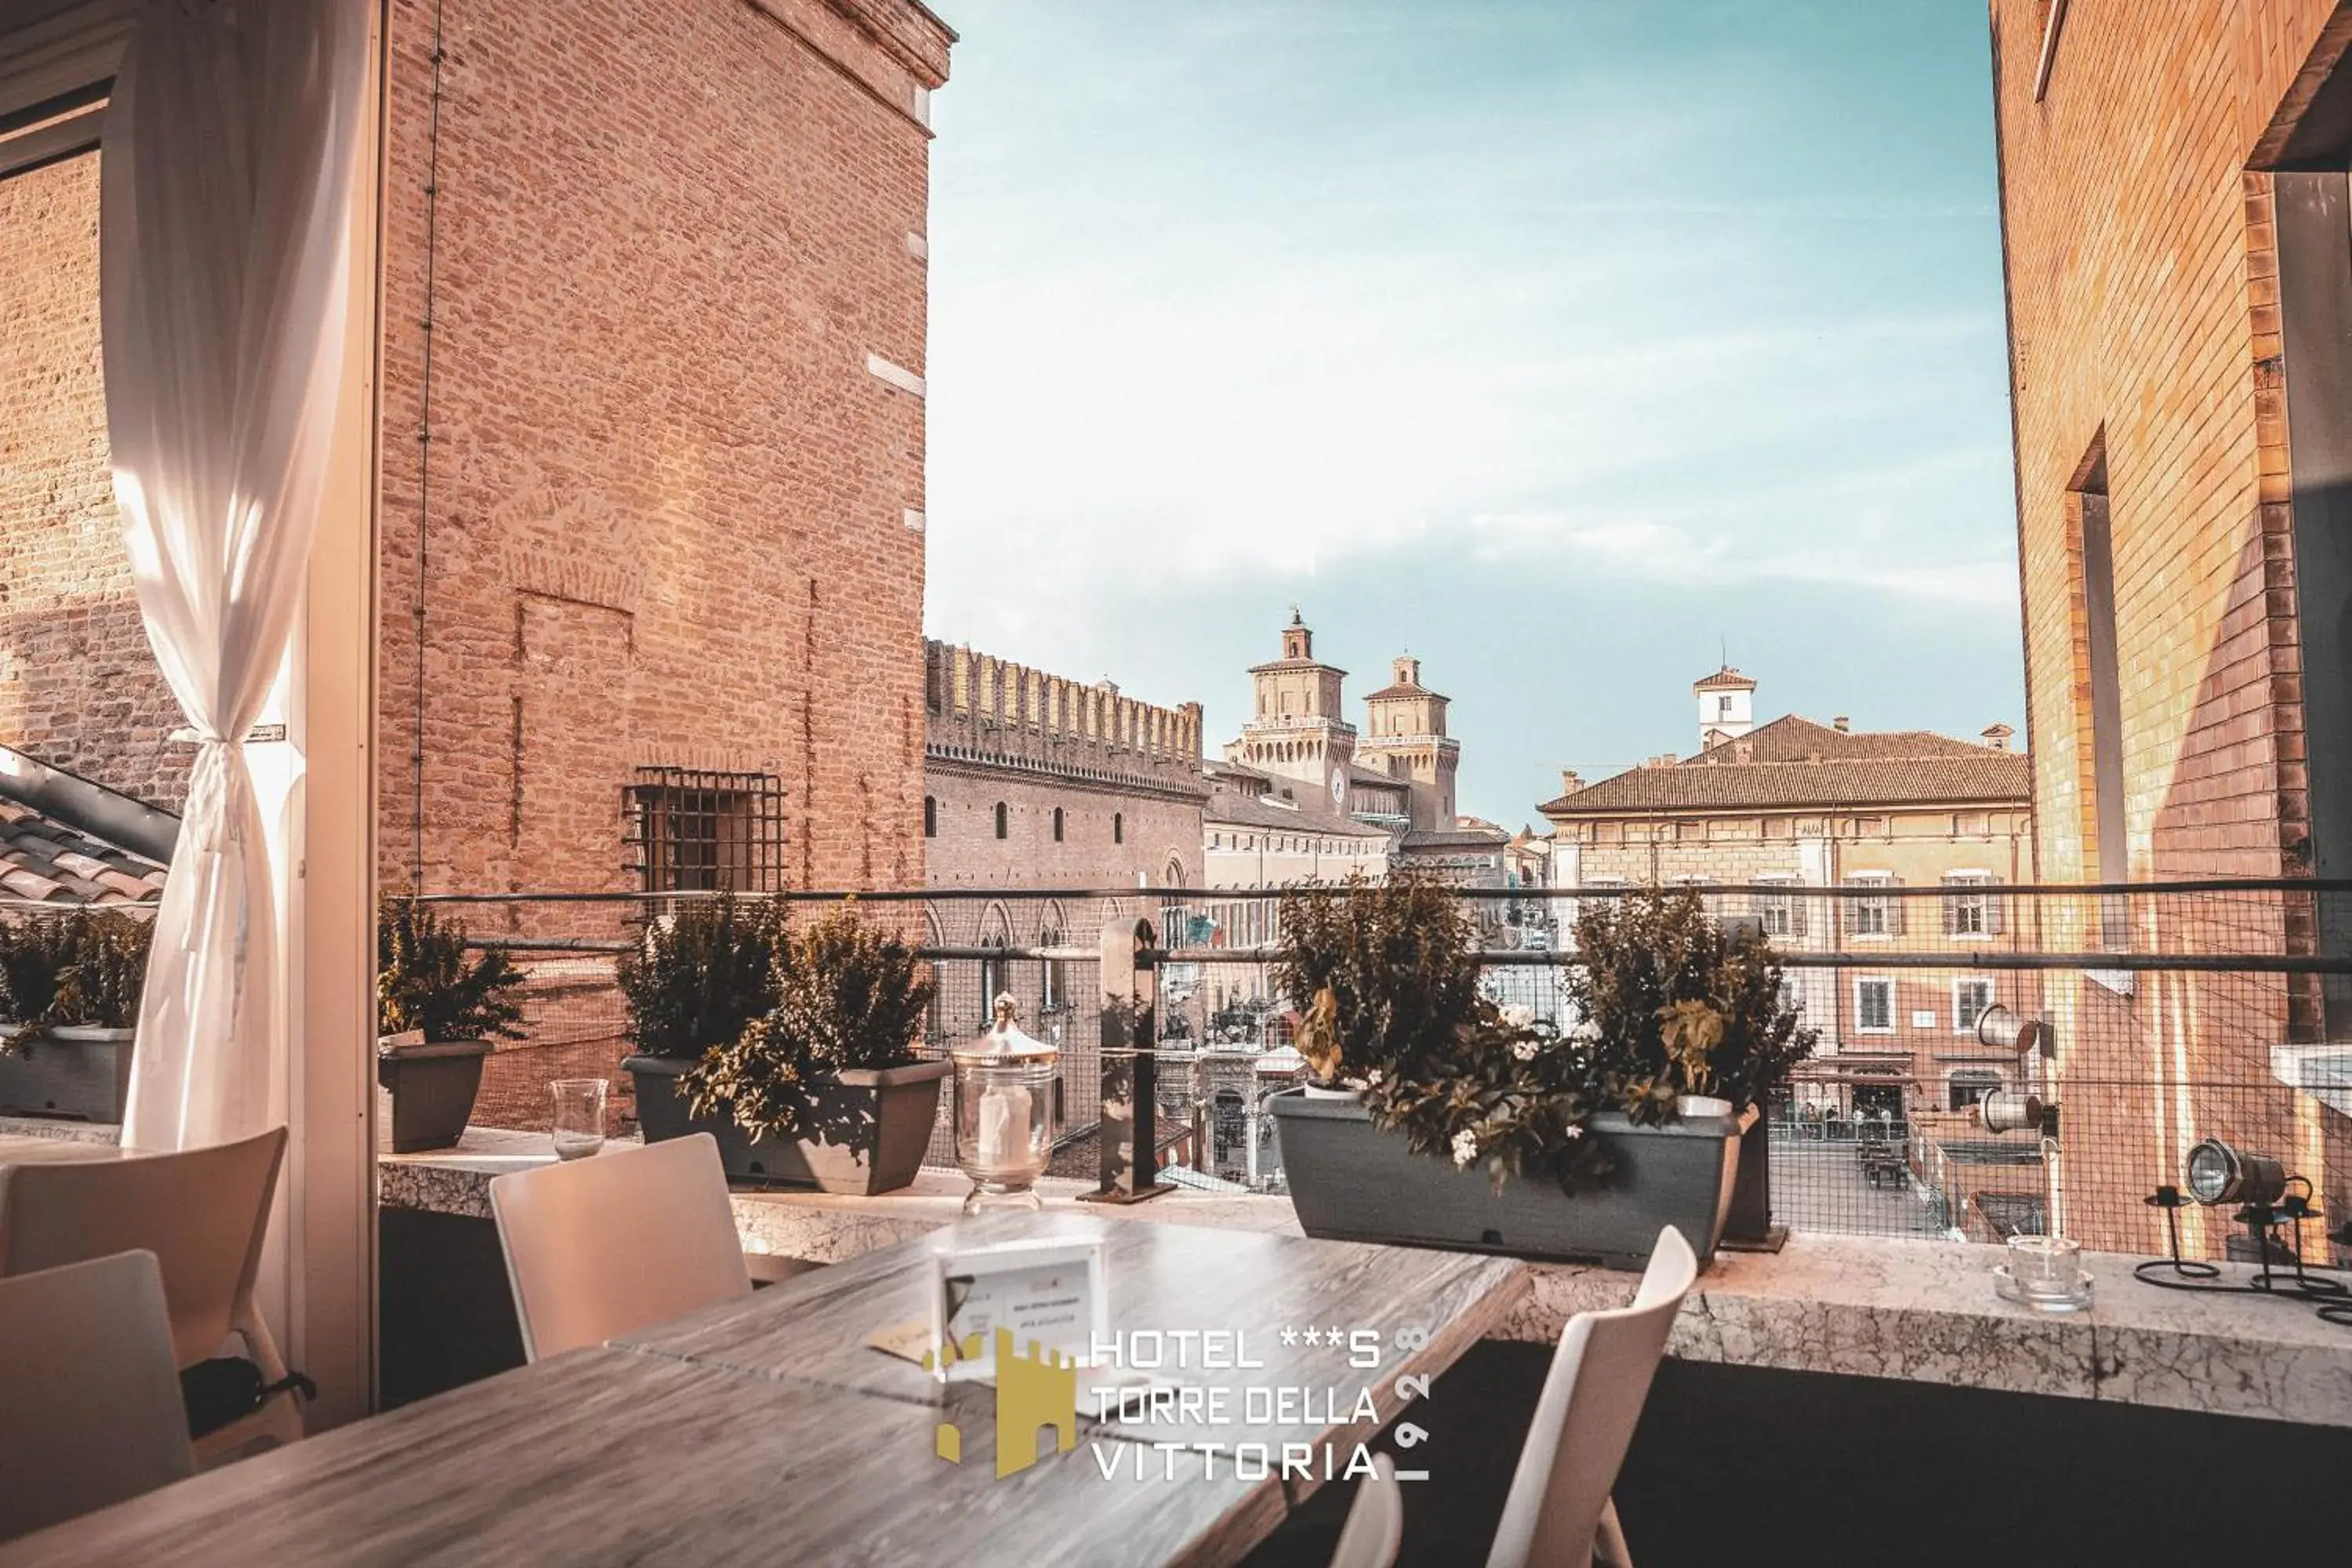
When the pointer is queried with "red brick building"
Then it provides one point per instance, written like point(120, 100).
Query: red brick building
point(651, 416)
point(2180, 284)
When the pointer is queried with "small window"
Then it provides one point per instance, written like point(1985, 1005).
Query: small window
point(1118, 827)
point(1003, 820)
point(1057, 824)
point(1970, 908)
point(1969, 1085)
point(1781, 914)
point(931, 816)
point(696, 831)
point(1873, 1007)
point(1879, 916)
point(1970, 1000)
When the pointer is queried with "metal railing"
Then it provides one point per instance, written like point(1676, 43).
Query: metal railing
point(2165, 1003)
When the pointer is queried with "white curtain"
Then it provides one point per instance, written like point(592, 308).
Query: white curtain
point(226, 167)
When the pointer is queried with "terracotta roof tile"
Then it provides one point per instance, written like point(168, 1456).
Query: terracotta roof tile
point(1794, 762)
point(43, 859)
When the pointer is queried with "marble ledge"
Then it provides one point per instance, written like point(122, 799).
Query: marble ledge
point(1859, 1306)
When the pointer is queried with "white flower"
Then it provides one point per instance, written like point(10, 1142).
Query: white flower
point(1526, 1049)
point(1373, 1078)
point(1575, 1129)
point(1519, 1016)
point(1589, 1032)
point(1466, 1148)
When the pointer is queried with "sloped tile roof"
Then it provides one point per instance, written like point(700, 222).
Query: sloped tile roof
point(43, 860)
point(1794, 762)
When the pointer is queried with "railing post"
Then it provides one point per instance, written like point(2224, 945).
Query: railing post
point(1129, 1135)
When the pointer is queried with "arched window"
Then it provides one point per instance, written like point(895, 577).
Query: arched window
point(1118, 827)
point(931, 816)
point(1057, 824)
point(1003, 821)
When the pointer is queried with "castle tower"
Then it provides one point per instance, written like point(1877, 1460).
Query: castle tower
point(1727, 707)
point(1405, 738)
point(1296, 730)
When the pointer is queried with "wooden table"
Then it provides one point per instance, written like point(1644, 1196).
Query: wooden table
point(766, 1432)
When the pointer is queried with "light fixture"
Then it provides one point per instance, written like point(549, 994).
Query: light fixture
point(2011, 1110)
point(2001, 1029)
point(2216, 1172)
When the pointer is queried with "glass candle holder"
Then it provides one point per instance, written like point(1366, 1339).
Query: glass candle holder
point(1004, 1124)
point(2045, 1273)
point(579, 1122)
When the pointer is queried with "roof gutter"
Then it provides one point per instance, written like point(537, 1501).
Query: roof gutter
point(88, 808)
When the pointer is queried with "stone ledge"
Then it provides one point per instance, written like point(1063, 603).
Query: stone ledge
point(1857, 1306)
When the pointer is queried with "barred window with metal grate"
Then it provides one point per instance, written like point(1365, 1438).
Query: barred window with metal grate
point(690, 830)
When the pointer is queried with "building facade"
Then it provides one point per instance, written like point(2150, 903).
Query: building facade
point(2177, 322)
point(1306, 796)
point(651, 412)
point(1031, 781)
point(1792, 805)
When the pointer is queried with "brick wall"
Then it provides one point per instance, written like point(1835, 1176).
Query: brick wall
point(661, 503)
point(2144, 313)
point(1125, 775)
point(2143, 302)
point(78, 689)
point(664, 499)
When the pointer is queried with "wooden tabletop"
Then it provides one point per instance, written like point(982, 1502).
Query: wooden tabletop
point(16, 1150)
point(768, 1432)
point(1162, 1276)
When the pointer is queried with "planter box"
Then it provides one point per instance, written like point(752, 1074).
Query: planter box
point(1352, 1182)
point(70, 1069)
point(890, 1112)
point(433, 1089)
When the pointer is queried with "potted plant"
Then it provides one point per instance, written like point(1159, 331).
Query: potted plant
point(72, 989)
point(440, 1012)
point(697, 977)
point(1691, 1023)
point(824, 1089)
point(1454, 1088)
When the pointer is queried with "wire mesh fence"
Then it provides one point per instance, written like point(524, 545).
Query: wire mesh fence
point(2166, 1007)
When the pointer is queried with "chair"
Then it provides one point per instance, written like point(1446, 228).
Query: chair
point(1375, 1527)
point(92, 1413)
point(1559, 1510)
point(203, 1213)
point(622, 1240)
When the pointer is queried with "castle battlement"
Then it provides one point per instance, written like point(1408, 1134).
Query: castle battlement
point(983, 709)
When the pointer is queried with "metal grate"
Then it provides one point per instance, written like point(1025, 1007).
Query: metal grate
point(689, 830)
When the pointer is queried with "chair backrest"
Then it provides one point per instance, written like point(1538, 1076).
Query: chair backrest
point(1591, 1400)
point(202, 1212)
point(92, 1413)
point(618, 1241)
point(1375, 1529)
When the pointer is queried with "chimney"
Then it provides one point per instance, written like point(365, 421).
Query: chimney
point(1997, 736)
point(1841, 724)
point(1570, 781)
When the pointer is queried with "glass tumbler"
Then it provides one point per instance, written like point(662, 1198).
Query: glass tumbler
point(2047, 1272)
point(579, 1122)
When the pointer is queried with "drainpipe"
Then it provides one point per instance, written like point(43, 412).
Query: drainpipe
point(88, 808)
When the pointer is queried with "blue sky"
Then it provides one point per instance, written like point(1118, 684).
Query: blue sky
point(1562, 341)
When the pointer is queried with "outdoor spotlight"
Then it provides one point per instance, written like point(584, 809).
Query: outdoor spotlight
point(2001, 1029)
point(2217, 1173)
point(2011, 1111)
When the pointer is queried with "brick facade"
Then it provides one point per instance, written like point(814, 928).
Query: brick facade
point(79, 687)
point(658, 501)
point(1096, 790)
point(2142, 255)
point(664, 499)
